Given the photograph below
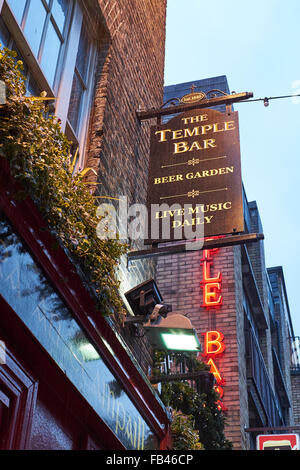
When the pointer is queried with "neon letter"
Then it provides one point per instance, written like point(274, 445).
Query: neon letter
point(212, 296)
point(213, 343)
point(215, 371)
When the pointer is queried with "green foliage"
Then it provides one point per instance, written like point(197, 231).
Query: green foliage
point(208, 419)
point(200, 406)
point(39, 157)
point(183, 433)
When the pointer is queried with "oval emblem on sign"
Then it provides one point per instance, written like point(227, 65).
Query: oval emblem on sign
point(192, 97)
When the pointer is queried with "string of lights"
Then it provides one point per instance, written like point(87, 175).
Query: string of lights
point(266, 100)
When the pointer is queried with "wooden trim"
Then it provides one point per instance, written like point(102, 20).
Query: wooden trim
point(14, 331)
point(57, 266)
point(21, 389)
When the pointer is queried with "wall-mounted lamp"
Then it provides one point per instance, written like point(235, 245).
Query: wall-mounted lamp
point(165, 331)
point(174, 333)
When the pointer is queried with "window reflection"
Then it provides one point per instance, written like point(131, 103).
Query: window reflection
point(79, 80)
point(44, 29)
point(75, 100)
point(46, 25)
point(29, 293)
point(4, 34)
point(32, 88)
point(17, 7)
point(82, 59)
point(35, 24)
point(59, 12)
point(50, 54)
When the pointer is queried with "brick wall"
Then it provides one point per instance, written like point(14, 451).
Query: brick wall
point(257, 256)
point(129, 74)
point(283, 333)
point(295, 378)
point(179, 277)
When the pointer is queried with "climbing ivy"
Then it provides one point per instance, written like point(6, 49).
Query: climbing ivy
point(198, 406)
point(40, 158)
point(184, 435)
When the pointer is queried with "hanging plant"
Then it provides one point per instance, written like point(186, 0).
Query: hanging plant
point(199, 407)
point(39, 157)
point(184, 435)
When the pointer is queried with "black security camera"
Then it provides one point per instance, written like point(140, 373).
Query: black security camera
point(146, 303)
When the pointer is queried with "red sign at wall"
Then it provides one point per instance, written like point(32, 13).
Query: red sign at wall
point(214, 344)
point(277, 442)
point(211, 284)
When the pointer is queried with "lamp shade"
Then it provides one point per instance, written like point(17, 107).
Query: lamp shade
point(174, 333)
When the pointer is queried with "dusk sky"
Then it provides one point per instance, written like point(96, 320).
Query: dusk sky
point(257, 46)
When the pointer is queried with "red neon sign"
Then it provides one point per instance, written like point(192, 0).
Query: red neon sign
point(211, 285)
point(213, 340)
point(213, 343)
point(213, 347)
point(215, 371)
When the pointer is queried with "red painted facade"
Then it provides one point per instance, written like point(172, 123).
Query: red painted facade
point(40, 407)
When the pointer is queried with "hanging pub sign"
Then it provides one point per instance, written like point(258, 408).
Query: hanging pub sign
point(195, 185)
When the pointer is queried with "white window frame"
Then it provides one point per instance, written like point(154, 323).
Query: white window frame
point(18, 30)
point(85, 107)
point(66, 66)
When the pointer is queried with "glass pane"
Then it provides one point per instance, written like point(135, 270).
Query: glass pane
point(75, 101)
point(35, 24)
point(32, 88)
point(59, 12)
point(83, 54)
point(4, 34)
point(50, 54)
point(17, 7)
point(30, 294)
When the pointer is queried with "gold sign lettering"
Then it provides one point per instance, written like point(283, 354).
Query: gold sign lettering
point(194, 175)
point(203, 209)
point(195, 161)
point(192, 119)
point(185, 147)
point(167, 134)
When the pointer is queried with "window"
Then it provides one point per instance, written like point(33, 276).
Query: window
point(4, 34)
point(79, 80)
point(4, 418)
point(6, 40)
point(81, 84)
point(18, 7)
point(43, 23)
point(17, 398)
point(42, 31)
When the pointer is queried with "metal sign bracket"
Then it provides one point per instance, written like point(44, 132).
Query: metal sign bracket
point(209, 244)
